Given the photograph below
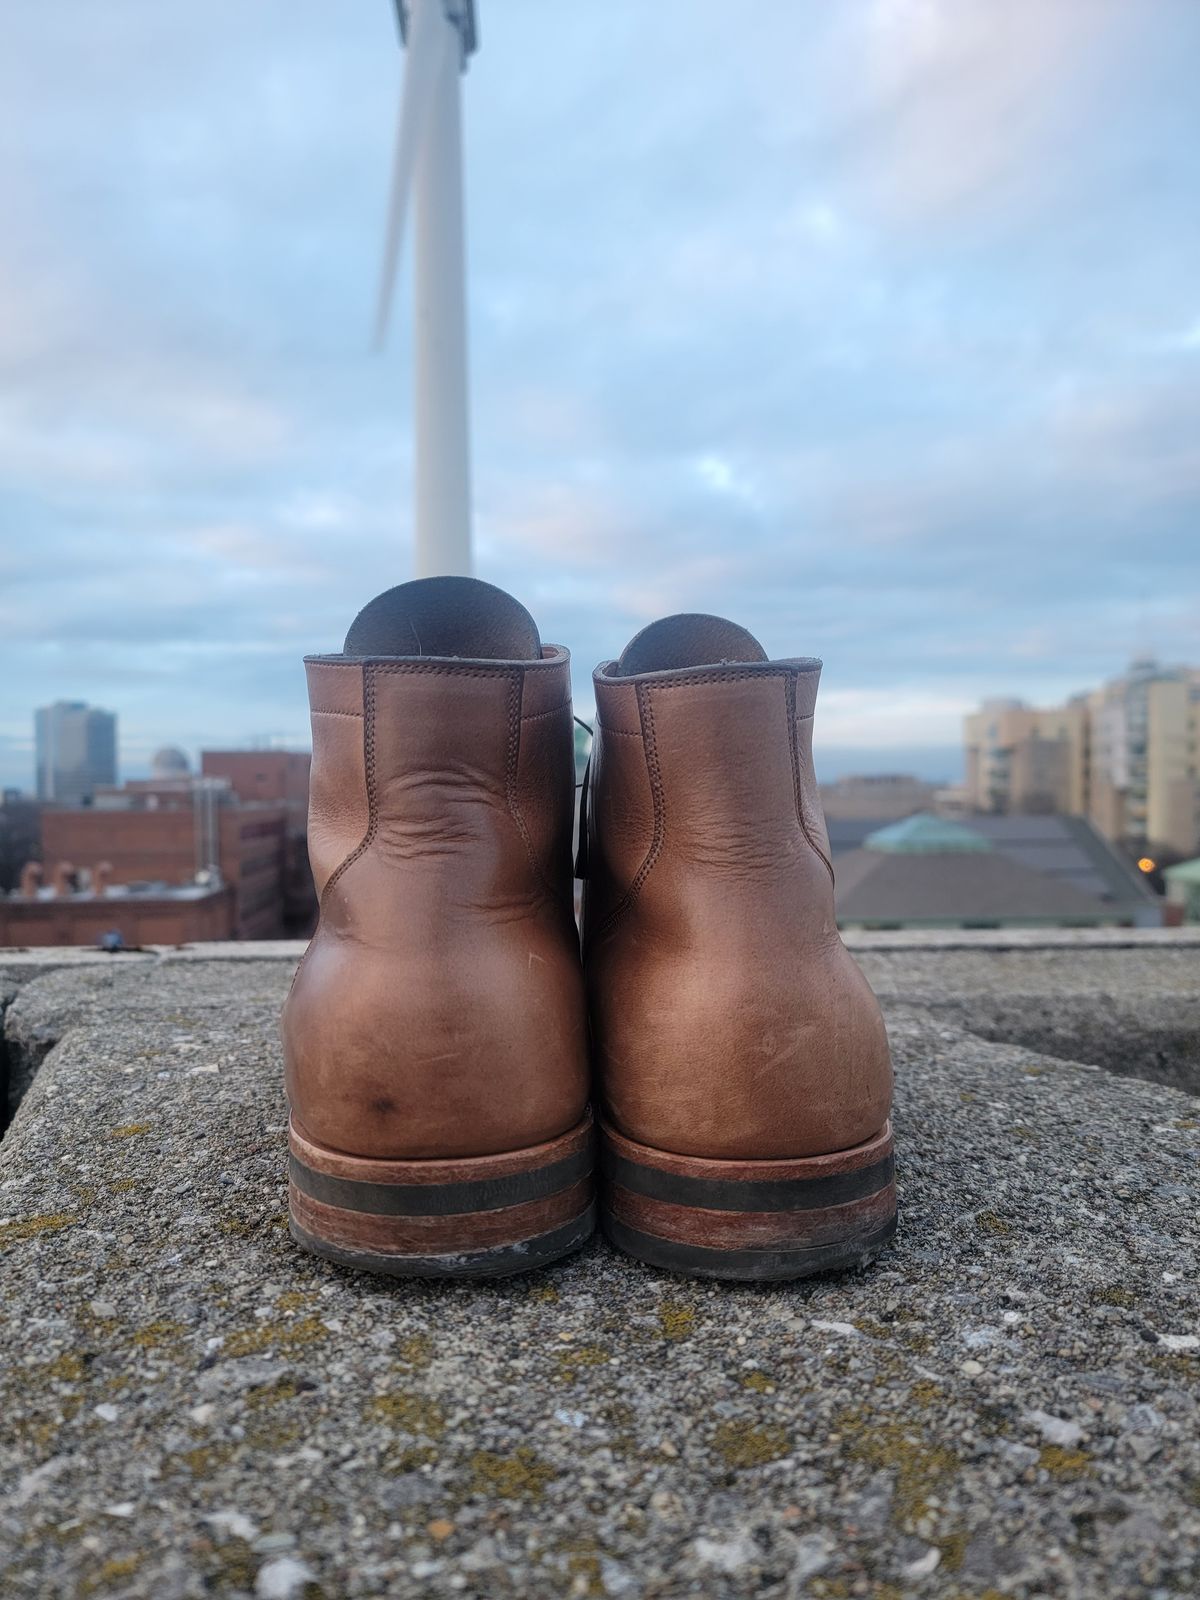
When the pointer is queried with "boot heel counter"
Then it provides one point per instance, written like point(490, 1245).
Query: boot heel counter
point(728, 1018)
point(339, 805)
point(438, 1010)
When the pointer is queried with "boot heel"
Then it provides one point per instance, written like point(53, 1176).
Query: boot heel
point(751, 1220)
point(481, 1217)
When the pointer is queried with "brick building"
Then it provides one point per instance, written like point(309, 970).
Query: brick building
point(175, 857)
point(162, 915)
point(169, 832)
point(276, 777)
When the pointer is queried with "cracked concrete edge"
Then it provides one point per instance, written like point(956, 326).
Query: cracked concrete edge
point(18, 964)
point(40, 1004)
point(46, 993)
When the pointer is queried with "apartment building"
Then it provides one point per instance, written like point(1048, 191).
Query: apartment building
point(1127, 755)
point(1019, 759)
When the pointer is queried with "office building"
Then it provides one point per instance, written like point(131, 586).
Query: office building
point(75, 751)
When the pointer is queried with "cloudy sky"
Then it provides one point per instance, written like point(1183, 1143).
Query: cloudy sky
point(873, 325)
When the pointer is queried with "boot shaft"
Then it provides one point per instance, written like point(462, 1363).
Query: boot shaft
point(728, 1020)
point(702, 791)
point(457, 774)
point(438, 1012)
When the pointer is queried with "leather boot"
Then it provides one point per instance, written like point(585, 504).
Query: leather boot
point(435, 1038)
point(741, 1057)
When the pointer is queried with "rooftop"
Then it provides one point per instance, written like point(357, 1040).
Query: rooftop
point(1063, 848)
point(1007, 1404)
point(925, 834)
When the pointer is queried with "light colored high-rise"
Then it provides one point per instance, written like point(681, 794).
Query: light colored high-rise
point(76, 751)
point(1026, 760)
point(1127, 755)
point(1145, 755)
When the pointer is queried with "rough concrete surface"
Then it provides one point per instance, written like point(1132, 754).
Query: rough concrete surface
point(1004, 1405)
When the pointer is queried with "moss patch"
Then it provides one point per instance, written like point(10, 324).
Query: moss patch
point(415, 1352)
point(520, 1476)
point(676, 1319)
point(414, 1413)
point(30, 1227)
point(270, 1335)
point(411, 1459)
point(741, 1444)
point(921, 1467)
point(236, 1567)
point(926, 1393)
point(991, 1222)
point(1125, 1298)
point(954, 1548)
point(129, 1130)
point(206, 1459)
point(112, 1572)
point(271, 1394)
point(273, 1436)
point(571, 1362)
point(1065, 1465)
point(758, 1382)
point(156, 1334)
point(67, 1368)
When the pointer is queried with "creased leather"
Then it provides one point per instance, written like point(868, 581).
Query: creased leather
point(439, 1009)
point(728, 1019)
point(338, 814)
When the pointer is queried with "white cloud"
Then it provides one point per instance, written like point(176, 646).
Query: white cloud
point(962, 98)
point(847, 321)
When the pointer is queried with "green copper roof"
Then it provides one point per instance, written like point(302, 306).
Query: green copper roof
point(925, 835)
point(1184, 872)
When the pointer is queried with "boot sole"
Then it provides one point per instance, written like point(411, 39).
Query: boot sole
point(749, 1221)
point(480, 1217)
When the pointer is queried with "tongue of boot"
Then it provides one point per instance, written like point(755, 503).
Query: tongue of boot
point(452, 617)
point(688, 640)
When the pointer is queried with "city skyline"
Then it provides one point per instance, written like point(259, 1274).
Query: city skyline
point(883, 340)
point(948, 764)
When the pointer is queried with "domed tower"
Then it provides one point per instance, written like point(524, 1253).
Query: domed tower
point(170, 762)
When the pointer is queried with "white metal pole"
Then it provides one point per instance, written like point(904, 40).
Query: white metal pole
point(443, 467)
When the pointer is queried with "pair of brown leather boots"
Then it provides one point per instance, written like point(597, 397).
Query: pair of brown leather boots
point(442, 1037)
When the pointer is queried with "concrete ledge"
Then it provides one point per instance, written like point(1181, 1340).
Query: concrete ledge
point(22, 961)
point(1006, 1404)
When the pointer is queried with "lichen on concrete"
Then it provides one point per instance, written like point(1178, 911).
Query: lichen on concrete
point(1005, 1406)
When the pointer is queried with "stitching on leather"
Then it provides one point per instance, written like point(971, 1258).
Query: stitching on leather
point(622, 733)
point(723, 677)
point(369, 767)
point(793, 741)
point(658, 836)
point(441, 669)
point(318, 711)
point(515, 682)
point(536, 716)
point(514, 755)
point(368, 721)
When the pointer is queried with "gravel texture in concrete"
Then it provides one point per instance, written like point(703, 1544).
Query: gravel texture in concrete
point(1007, 1404)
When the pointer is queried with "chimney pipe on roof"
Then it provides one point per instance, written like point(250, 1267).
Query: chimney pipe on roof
point(101, 877)
point(31, 880)
point(63, 881)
